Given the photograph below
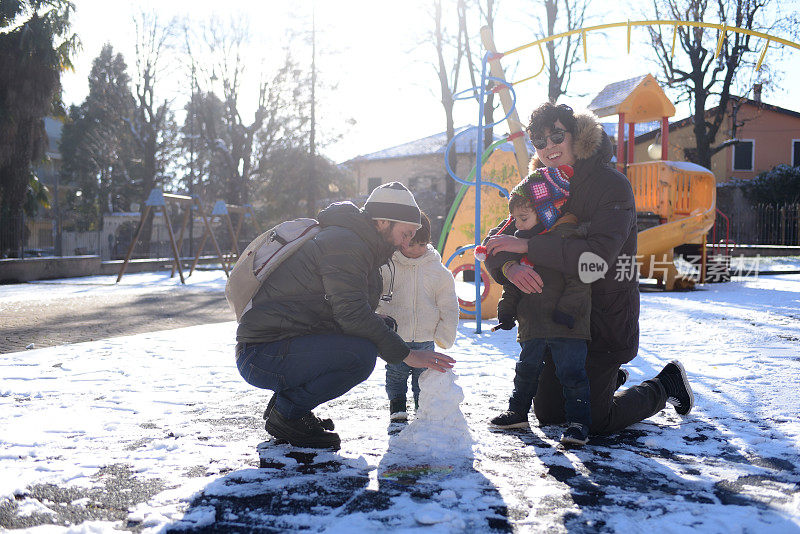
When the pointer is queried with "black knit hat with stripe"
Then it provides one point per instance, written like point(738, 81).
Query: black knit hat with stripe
point(393, 202)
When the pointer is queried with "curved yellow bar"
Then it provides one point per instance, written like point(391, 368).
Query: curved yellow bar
point(674, 23)
point(763, 53)
point(535, 75)
point(720, 41)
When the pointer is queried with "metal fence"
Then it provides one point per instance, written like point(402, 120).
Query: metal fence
point(762, 224)
point(40, 239)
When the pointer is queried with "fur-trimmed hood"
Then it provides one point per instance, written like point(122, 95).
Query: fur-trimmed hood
point(589, 139)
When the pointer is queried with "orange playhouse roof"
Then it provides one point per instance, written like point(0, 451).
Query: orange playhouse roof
point(641, 99)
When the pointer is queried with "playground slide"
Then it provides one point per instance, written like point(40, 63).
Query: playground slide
point(681, 194)
point(660, 239)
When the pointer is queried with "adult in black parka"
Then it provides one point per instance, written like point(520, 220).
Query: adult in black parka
point(312, 333)
point(601, 196)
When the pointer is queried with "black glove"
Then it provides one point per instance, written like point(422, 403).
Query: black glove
point(506, 323)
point(563, 318)
point(390, 322)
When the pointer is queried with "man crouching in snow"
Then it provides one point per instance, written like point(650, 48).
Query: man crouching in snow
point(312, 333)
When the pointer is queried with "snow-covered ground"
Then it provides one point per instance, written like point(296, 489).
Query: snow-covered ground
point(158, 431)
point(44, 290)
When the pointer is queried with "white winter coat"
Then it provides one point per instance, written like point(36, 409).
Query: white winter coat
point(424, 301)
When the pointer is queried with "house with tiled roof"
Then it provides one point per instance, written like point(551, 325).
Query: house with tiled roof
point(418, 164)
point(766, 135)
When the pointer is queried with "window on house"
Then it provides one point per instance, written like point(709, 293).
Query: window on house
point(795, 152)
point(372, 183)
point(743, 155)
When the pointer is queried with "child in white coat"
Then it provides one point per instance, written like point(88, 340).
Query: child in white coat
point(421, 297)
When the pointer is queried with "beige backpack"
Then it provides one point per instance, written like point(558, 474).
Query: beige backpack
point(261, 257)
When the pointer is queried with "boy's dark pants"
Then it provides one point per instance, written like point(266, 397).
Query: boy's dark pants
point(397, 374)
point(570, 355)
point(306, 371)
point(610, 412)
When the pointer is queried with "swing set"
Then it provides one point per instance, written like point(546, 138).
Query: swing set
point(222, 212)
point(159, 202)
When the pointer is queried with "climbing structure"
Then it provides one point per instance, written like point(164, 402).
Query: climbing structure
point(681, 196)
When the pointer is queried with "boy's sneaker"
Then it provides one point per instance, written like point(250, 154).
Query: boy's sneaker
point(575, 435)
point(326, 423)
point(622, 377)
point(397, 409)
point(302, 432)
point(510, 419)
point(679, 393)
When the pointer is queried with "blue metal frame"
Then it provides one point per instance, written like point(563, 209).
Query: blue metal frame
point(481, 96)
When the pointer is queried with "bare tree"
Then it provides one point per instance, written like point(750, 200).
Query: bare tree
point(562, 54)
point(151, 126)
point(454, 47)
point(700, 78)
point(279, 118)
point(319, 133)
point(487, 13)
point(448, 72)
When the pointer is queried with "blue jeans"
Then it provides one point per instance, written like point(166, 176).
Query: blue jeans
point(306, 371)
point(397, 374)
point(569, 356)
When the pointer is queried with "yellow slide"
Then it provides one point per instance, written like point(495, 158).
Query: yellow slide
point(681, 195)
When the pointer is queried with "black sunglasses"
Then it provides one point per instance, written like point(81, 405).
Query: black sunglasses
point(557, 137)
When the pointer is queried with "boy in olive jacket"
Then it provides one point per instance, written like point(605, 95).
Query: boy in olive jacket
point(557, 318)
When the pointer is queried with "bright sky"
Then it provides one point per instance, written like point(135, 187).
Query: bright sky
point(375, 52)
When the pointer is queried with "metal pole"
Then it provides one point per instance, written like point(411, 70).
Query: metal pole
point(312, 148)
point(478, 154)
point(21, 252)
point(193, 111)
point(58, 221)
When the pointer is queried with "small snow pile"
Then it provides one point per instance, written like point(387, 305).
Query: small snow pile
point(439, 429)
point(431, 513)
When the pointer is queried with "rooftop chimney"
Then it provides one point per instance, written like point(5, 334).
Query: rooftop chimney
point(757, 92)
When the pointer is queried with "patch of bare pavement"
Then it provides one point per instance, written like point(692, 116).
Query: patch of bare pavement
point(76, 319)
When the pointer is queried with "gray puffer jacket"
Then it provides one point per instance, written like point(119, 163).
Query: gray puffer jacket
point(331, 285)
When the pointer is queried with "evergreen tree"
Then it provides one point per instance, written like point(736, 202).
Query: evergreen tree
point(284, 172)
point(204, 170)
point(100, 156)
point(32, 55)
